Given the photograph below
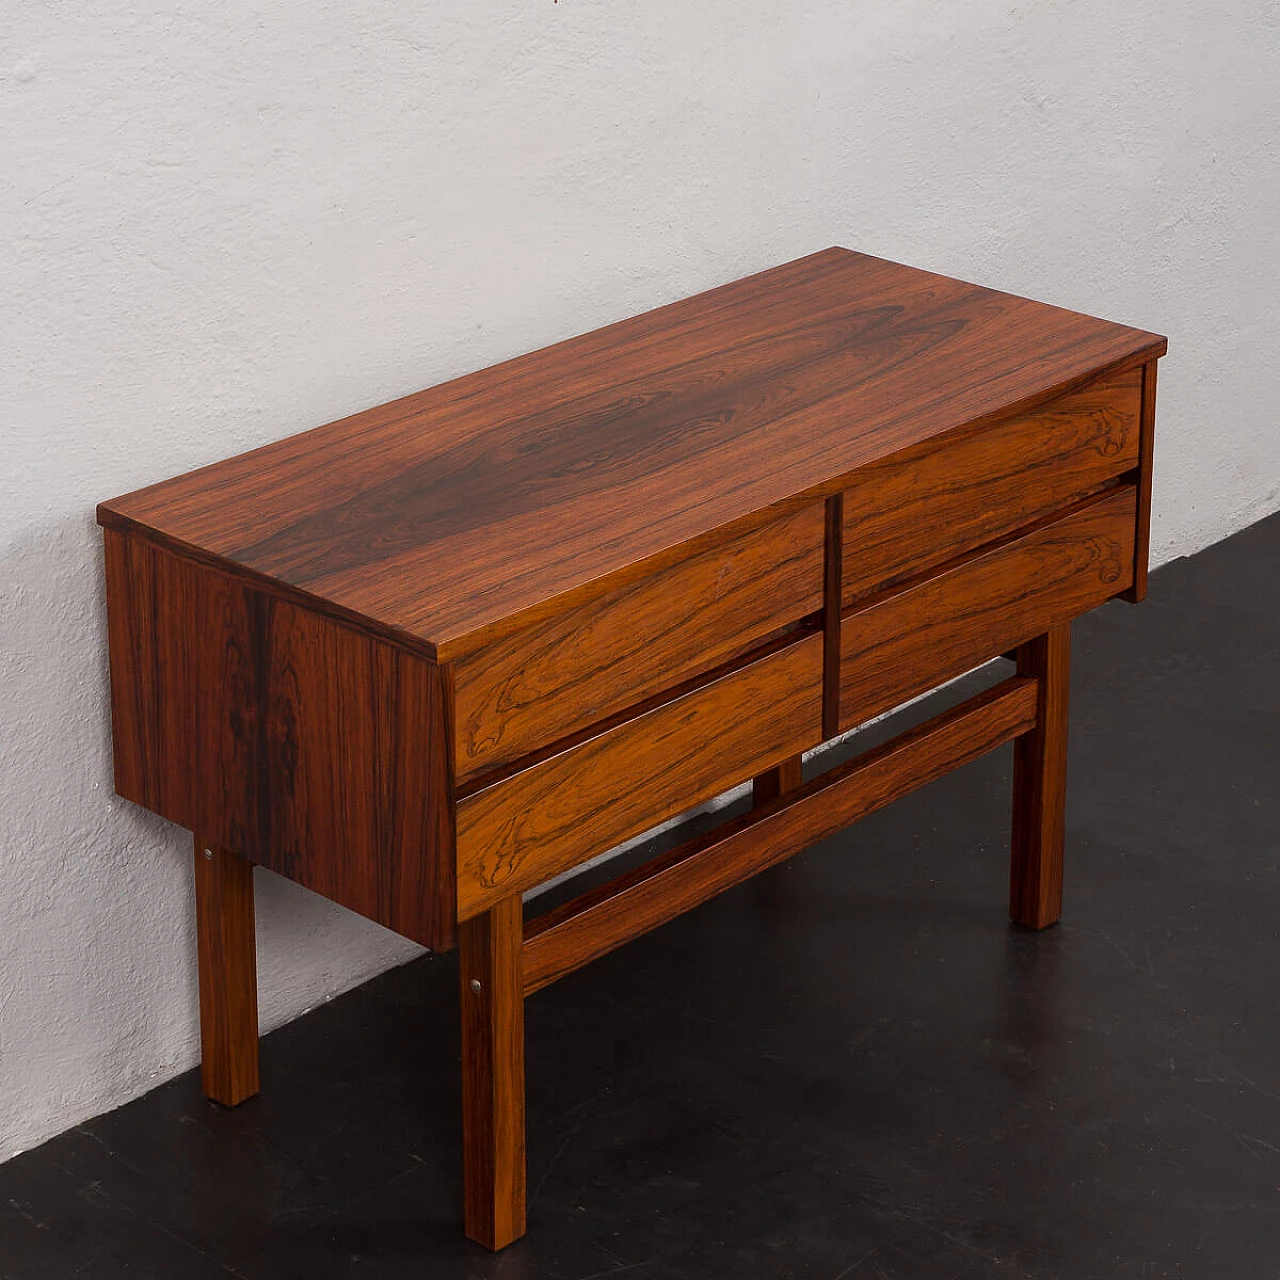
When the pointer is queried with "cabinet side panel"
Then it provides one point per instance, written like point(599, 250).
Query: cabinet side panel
point(153, 717)
point(313, 749)
point(131, 658)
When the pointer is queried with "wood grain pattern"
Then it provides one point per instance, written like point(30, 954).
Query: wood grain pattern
point(1146, 463)
point(226, 956)
point(491, 982)
point(312, 749)
point(445, 519)
point(1040, 784)
point(520, 831)
point(918, 636)
point(936, 501)
point(569, 671)
point(596, 922)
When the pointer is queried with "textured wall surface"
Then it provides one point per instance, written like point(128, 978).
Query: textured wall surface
point(223, 223)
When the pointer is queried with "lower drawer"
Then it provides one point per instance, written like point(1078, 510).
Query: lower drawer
point(568, 808)
point(913, 639)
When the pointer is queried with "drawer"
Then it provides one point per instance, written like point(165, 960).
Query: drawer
point(570, 807)
point(912, 640)
point(567, 672)
point(930, 504)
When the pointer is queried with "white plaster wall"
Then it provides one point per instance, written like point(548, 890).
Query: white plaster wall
point(222, 223)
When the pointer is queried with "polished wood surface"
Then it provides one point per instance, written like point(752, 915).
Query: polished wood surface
point(312, 749)
point(548, 818)
point(226, 966)
point(939, 500)
point(491, 990)
point(595, 923)
point(923, 633)
point(563, 673)
point(1040, 783)
point(444, 519)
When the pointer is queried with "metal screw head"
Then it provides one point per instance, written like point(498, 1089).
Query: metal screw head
point(208, 853)
point(475, 984)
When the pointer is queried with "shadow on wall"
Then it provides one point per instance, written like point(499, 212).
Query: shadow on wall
point(97, 934)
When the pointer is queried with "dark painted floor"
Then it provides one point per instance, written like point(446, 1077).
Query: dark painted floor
point(849, 1068)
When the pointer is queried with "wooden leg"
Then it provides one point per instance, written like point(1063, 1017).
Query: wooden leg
point(492, 981)
point(781, 778)
point(1040, 784)
point(227, 958)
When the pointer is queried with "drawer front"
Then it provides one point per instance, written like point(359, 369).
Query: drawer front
point(568, 808)
point(915, 639)
point(564, 673)
point(928, 505)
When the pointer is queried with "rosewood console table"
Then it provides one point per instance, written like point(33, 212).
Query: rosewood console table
point(426, 658)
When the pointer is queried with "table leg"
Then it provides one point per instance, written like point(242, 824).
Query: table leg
point(1040, 784)
point(227, 961)
point(493, 1126)
point(774, 782)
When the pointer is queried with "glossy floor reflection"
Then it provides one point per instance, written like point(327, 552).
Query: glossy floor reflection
point(852, 1067)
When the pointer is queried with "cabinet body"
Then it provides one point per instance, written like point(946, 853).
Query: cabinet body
point(423, 660)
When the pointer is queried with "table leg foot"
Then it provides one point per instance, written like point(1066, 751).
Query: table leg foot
point(1040, 784)
point(227, 959)
point(493, 1118)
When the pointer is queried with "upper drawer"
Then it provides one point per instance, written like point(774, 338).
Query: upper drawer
point(563, 673)
point(923, 506)
point(524, 829)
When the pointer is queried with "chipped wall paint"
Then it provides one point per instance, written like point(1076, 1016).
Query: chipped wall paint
point(220, 224)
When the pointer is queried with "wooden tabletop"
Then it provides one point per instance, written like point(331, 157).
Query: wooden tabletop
point(437, 519)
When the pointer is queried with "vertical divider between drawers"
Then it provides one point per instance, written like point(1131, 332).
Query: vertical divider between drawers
point(833, 579)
